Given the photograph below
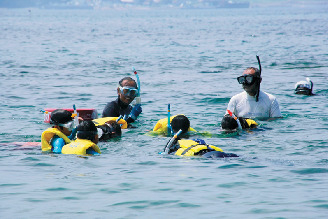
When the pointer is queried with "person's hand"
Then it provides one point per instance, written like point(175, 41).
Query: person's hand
point(135, 112)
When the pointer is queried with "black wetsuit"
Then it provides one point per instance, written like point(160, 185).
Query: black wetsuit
point(118, 108)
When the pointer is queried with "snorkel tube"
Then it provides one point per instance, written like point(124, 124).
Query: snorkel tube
point(236, 118)
point(169, 128)
point(138, 98)
point(75, 115)
point(171, 142)
point(258, 91)
point(309, 80)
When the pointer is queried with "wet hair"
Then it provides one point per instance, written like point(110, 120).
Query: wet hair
point(180, 122)
point(86, 130)
point(127, 79)
point(257, 71)
point(60, 116)
point(110, 130)
point(228, 123)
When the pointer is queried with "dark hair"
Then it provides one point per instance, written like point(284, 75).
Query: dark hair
point(229, 123)
point(86, 130)
point(180, 122)
point(128, 79)
point(60, 116)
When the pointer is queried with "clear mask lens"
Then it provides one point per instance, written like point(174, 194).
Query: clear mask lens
point(70, 125)
point(129, 91)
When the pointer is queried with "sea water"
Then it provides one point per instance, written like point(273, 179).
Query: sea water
point(190, 59)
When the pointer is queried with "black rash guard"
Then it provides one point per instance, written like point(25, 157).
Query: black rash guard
point(117, 108)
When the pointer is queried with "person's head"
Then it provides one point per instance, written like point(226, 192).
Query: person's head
point(180, 122)
point(110, 129)
point(250, 80)
point(304, 87)
point(229, 123)
point(63, 120)
point(127, 90)
point(87, 130)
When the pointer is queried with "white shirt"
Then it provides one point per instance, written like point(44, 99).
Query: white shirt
point(244, 105)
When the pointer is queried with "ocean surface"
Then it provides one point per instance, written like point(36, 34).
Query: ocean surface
point(190, 59)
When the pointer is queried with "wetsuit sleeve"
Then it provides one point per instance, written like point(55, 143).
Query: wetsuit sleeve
point(57, 145)
point(275, 111)
point(110, 110)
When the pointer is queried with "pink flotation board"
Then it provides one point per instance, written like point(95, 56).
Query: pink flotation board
point(86, 114)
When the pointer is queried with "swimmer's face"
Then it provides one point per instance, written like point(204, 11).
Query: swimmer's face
point(252, 89)
point(123, 98)
point(65, 130)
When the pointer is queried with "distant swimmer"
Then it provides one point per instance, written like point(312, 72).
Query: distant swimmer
point(86, 142)
point(61, 133)
point(186, 147)
point(127, 91)
point(253, 103)
point(304, 87)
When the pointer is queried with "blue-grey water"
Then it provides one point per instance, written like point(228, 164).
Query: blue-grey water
point(190, 59)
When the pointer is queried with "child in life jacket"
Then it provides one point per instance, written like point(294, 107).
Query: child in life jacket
point(186, 147)
point(86, 142)
point(229, 123)
point(61, 133)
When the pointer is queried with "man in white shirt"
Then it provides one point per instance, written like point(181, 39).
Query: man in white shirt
point(253, 103)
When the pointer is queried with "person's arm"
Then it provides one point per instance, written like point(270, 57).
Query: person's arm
point(57, 145)
point(72, 136)
point(275, 110)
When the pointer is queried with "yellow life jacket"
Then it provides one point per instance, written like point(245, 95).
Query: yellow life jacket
point(80, 147)
point(102, 121)
point(161, 126)
point(192, 148)
point(48, 134)
point(251, 123)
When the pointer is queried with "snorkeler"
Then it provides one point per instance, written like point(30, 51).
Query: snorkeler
point(230, 122)
point(86, 142)
point(61, 133)
point(304, 87)
point(127, 91)
point(176, 122)
point(186, 147)
point(110, 129)
point(253, 103)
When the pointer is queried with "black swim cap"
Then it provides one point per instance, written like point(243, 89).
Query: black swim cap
point(60, 116)
point(229, 123)
point(180, 122)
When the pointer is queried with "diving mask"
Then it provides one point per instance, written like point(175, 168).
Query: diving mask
point(304, 87)
point(69, 125)
point(247, 79)
point(128, 91)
